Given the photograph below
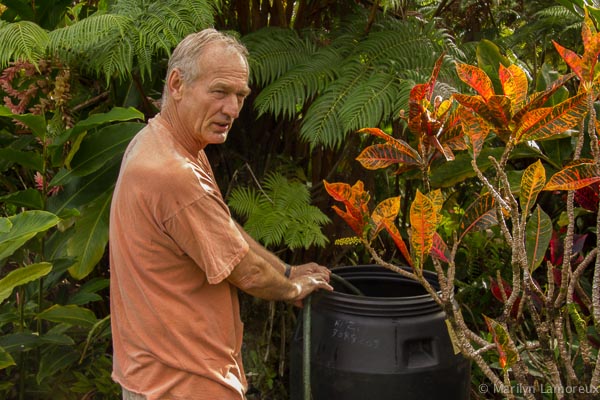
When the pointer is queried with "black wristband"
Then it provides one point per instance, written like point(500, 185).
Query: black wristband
point(288, 270)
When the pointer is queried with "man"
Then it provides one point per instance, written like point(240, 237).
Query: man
point(177, 257)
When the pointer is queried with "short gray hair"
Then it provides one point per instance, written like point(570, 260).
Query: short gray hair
point(187, 53)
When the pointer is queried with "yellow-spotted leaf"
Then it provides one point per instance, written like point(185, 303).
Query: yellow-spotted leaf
point(514, 84)
point(386, 211)
point(383, 155)
point(476, 129)
point(574, 176)
point(545, 123)
point(507, 355)
point(480, 215)
point(476, 78)
point(423, 220)
point(532, 183)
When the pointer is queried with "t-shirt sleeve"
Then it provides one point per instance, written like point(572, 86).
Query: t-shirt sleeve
point(206, 232)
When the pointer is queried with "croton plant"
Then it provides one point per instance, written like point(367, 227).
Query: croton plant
point(560, 350)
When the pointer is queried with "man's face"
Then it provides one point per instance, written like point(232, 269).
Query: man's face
point(209, 105)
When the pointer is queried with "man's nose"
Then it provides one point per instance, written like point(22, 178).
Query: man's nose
point(232, 106)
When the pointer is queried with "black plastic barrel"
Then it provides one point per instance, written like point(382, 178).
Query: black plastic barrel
point(391, 343)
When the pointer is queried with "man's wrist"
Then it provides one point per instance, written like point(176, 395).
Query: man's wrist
point(288, 270)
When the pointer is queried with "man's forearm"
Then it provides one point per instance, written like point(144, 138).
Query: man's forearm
point(259, 249)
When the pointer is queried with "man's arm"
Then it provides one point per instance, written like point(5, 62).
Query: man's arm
point(261, 274)
point(257, 277)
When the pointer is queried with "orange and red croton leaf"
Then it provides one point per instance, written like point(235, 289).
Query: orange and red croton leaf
point(424, 218)
point(355, 199)
point(545, 123)
point(532, 183)
point(477, 79)
point(480, 215)
point(514, 84)
point(393, 151)
point(507, 357)
point(575, 176)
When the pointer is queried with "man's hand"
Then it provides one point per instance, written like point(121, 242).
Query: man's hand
point(311, 269)
point(308, 278)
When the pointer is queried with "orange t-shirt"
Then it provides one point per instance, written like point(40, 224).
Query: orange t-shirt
point(177, 332)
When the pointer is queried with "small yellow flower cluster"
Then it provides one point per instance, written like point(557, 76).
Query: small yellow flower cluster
point(348, 241)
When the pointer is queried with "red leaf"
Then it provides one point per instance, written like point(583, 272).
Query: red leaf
point(571, 58)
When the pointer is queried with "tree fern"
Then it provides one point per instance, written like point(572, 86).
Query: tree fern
point(279, 213)
point(353, 81)
point(23, 40)
point(110, 44)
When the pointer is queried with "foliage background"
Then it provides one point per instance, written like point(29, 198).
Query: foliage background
point(320, 70)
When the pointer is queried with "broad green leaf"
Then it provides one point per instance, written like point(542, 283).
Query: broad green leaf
point(451, 173)
point(538, 233)
point(53, 361)
point(476, 78)
point(91, 236)
point(532, 183)
point(22, 341)
point(26, 159)
point(70, 315)
point(6, 359)
point(573, 177)
point(116, 114)
point(82, 191)
point(28, 198)
point(480, 215)
point(423, 218)
point(5, 225)
point(543, 124)
point(97, 149)
point(21, 276)
point(36, 123)
point(24, 227)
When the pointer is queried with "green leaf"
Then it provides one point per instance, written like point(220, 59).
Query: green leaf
point(26, 159)
point(70, 315)
point(28, 198)
point(21, 276)
point(22, 40)
point(53, 361)
point(37, 123)
point(116, 114)
point(5, 225)
point(24, 227)
point(538, 233)
point(97, 149)
point(91, 236)
point(5, 359)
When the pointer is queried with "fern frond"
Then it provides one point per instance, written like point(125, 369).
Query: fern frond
point(286, 95)
point(244, 201)
point(280, 213)
point(23, 40)
point(274, 51)
point(349, 83)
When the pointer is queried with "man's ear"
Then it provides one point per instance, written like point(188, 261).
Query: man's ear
point(175, 84)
